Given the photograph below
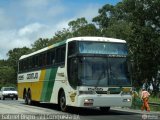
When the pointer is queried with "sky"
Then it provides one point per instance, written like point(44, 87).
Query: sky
point(22, 22)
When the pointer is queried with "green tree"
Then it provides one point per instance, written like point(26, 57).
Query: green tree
point(60, 36)
point(3, 63)
point(7, 75)
point(13, 57)
point(40, 43)
point(77, 28)
point(81, 27)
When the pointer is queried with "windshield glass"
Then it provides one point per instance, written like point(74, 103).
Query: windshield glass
point(118, 72)
point(103, 48)
point(102, 71)
point(9, 89)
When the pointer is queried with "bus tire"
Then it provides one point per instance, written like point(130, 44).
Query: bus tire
point(104, 109)
point(29, 100)
point(62, 102)
point(25, 98)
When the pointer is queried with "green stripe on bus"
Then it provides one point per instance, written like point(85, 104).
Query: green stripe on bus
point(45, 85)
point(51, 84)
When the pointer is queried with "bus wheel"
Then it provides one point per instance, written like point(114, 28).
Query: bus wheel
point(104, 109)
point(25, 98)
point(29, 100)
point(62, 102)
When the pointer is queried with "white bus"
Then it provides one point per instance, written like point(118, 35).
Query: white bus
point(80, 72)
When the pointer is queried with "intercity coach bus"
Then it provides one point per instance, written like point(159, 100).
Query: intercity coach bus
point(80, 72)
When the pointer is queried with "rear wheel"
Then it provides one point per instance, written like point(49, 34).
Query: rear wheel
point(25, 98)
point(104, 109)
point(62, 102)
point(28, 100)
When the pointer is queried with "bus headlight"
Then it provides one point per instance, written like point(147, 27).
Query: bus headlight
point(88, 102)
point(127, 100)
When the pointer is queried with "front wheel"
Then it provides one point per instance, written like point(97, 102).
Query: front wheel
point(62, 102)
point(104, 109)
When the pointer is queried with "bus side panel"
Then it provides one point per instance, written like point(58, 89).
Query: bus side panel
point(51, 83)
point(21, 87)
point(60, 82)
point(48, 84)
point(36, 88)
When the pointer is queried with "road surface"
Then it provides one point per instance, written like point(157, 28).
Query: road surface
point(16, 109)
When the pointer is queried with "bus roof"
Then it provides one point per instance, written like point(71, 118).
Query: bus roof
point(100, 39)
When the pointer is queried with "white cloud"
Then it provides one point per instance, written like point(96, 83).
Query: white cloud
point(26, 36)
point(31, 29)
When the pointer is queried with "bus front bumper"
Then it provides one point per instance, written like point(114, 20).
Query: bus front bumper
point(104, 100)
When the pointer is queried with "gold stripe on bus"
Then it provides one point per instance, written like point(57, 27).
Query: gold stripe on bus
point(38, 87)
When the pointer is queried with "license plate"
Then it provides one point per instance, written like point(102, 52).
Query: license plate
point(11, 95)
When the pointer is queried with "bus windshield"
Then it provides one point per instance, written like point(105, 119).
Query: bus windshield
point(103, 72)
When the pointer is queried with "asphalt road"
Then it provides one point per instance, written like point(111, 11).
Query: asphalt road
point(16, 109)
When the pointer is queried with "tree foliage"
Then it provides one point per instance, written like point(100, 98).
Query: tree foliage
point(40, 43)
point(7, 74)
point(10, 67)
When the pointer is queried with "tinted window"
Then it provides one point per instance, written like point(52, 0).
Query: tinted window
point(103, 48)
point(72, 48)
point(52, 56)
point(60, 54)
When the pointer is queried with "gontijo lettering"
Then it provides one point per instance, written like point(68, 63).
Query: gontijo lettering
point(32, 76)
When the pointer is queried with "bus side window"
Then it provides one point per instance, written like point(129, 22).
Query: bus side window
point(40, 60)
point(49, 58)
point(44, 59)
point(52, 59)
point(26, 64)
point(29, 63)
point(60, 55)
point(36, 61)
point(33, 62)
point(63, 52)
